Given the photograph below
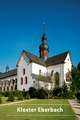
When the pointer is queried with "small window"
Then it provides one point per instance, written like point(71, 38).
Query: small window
point(21, 81)
point(23, 90)
point(25, 80)
point(39, 72)
point(16, 80)
point(24, 71)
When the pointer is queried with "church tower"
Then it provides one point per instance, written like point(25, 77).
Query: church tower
point(43, 48)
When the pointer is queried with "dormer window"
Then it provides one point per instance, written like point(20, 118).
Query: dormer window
point(24, 71)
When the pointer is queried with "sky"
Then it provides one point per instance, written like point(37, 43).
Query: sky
point(21, 27)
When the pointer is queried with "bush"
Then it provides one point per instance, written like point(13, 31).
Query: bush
point(42, 94)
point(65, 92)
point(77, 95)
point(11, 97)
point(0, 99)
point(62, 92)
point(57, 92)
point(32, 92)
point(20, 96)
point(27, 96)
point(16, 93)
point(5, 94)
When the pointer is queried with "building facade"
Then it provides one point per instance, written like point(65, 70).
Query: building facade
point(39, 72)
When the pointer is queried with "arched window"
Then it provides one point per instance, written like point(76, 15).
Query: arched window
point(3, 88)
point(21, 81)
point(15, 87)
point(56, 77)
point(52, 72)
point(68, 76)
point(39, 72)
point(24, 71)
point(25, 80)
point(12, 88)
point(7, 88)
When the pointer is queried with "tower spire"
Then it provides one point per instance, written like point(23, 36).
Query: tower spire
point(44, 27)
point(43, 48)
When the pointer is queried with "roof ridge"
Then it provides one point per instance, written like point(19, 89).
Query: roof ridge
point(24, 51)
point(9, 71)
point(59, 54)
point(34, 57)
point(57, 59)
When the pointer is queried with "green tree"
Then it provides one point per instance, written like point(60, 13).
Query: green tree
point(20, 96)
point(0, 99)
point(11, 97)
point(75, 86)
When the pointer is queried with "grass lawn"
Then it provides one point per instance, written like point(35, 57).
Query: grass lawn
point(9, 112)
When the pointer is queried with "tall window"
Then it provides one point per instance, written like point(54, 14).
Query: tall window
point(24, 71)
point(25, 80)
point(11, 88)
point(52, 73)
point(16, 80)
point(56, 77)
point(3, 88)
point(21, 81)
point(7, 88)
point(68, 76)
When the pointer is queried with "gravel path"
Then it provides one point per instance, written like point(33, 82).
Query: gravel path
point(76, 107)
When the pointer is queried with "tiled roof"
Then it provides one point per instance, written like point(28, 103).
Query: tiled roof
point(54, 60)
point(8, 74)
point(34, 58)
point(57, 59)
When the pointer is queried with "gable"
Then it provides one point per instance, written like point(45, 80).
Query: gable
point(23, 58)
point(68, 59)
point(31, 58)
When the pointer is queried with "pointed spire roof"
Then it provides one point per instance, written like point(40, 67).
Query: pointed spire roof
point(44, 36)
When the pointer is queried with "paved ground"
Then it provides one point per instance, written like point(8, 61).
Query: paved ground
point(76, 107)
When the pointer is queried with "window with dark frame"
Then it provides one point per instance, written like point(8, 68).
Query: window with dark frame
point(25, 80)
point(7, 88)
point(21, 81)
point(24, 71)
point(39, 72)
point(11, 88)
